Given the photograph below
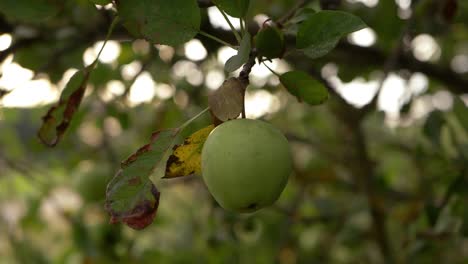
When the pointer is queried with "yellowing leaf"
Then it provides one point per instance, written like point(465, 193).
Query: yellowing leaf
point(186, 158)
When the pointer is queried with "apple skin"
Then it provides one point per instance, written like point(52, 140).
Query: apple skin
point(246, 164)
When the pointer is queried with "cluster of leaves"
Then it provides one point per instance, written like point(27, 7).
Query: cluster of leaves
point(131, 196)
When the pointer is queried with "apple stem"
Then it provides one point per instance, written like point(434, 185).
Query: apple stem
point(244, 75)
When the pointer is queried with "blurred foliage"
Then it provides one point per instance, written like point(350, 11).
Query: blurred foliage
point(356, 169)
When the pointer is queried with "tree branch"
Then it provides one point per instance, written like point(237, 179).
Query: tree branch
point(355, 55)
point(205, 3)
point(361, 165)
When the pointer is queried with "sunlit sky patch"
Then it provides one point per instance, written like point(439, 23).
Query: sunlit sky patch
point(194, 50)
point(403, 4)
point(164, 91)
point(224, 53)
point(129, 71)
point(260, 102)
point(36, 92)
point(368, 3)
point(109, 54)
point(442, 100)
point(5, 41)
point(214, 79)
point(459, 63)
point(260, 19)
point(425, 48)
point(365, 37)
point(217, 19)
point(113, 89)
point(358, 92)
point(143, 90)
point(393, 94)
point(166, 53)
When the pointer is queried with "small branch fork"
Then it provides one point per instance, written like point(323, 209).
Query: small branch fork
point(244, 75)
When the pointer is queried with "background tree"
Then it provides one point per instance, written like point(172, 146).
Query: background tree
point(376, 120)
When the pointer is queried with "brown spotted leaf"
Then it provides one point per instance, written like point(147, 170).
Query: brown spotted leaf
point(186, 158)
point(59, 116)
point(131, 197)
point(228, 101)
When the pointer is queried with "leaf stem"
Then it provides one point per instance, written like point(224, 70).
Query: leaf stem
point(236, 34)
point(216, 39)
point(242, 28)
point(193, 119)
point(108, 35)
point(272, 71)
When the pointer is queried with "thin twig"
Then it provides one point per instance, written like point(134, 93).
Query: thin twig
point(244, 76)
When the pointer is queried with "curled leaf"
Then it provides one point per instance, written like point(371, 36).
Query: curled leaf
point(59, 116)
point(186, 158)
point(304, 87)
point(228, 101)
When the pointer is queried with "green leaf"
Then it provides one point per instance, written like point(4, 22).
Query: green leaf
point(304, 87)
point(292, 25)
point(235, 8)
point(28, 10)
point(131, 197)
point(461, 112)
point(320, 33)
point(160, 21)
point(242, 56)
point(59, 116)
point(269, 42)
point(301, 15)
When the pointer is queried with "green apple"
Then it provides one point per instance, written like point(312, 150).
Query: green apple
point(246, 164)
